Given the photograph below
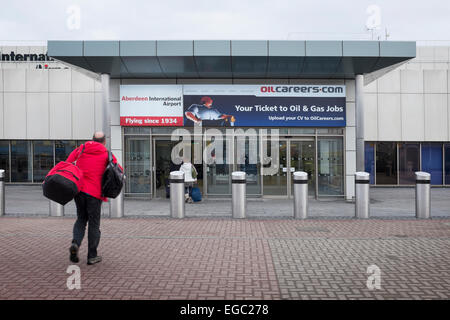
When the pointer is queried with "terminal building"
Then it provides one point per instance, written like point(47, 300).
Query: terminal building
point(312, 92)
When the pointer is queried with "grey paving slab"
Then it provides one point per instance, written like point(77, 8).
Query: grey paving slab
point(385, 203)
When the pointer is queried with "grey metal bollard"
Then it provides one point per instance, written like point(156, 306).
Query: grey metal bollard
point(2, 192)
point(116, 206)
point(55, 209)
point(300, 180)
point(238, 194)
point(362, 199)
point(177, 201)
point(423, 195)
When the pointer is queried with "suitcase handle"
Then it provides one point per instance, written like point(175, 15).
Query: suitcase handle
point(68, 172)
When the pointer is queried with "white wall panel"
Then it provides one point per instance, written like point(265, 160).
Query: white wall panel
point(441, 54)
point(370, 117)
point(350, 138)
point(83, 115)
point(97, 85)
point(15, 115)
point(60, 80)
point(37, 116)
point(115, 113)
point(350, 157)
point(98, 111)
point(435, 81)
point(60, 106)
point(411, 81)
point(436, 118)
point(1, 78)
point(413, 117)
point(114, 90)
point(14, 80)
point(390, 82)
point(350, 113)
point(349, 187)
point(371, 87)
point(389, 117)
point(425, 53)
point(82, 82)
point(116, 137)
point(37, 80)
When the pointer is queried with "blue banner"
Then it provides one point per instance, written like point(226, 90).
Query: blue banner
point(264, 111)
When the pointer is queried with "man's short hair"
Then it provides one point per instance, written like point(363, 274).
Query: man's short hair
point(99, 139)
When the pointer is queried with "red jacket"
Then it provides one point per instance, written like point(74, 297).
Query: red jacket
point(93, 163)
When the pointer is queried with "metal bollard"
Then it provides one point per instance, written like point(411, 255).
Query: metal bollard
point(362, 198)
point(300, 180)
point(56, 209)
point(116, 206)
point(2, 192)
point(423, 196)
point(238, 194)
point(177, 201)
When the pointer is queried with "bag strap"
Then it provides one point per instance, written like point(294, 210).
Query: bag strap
point(82, 150)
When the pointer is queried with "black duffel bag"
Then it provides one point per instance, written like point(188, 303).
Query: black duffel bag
point(113, 178)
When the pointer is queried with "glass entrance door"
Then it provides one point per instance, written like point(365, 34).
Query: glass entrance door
point(294, 155)
point(138, 166)
point(275, 183)
point(302, 158)
point(162, 165)
point(218, 170)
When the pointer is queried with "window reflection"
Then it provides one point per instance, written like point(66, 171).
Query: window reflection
point(21, 161)
point(408, 162)
point(386, 163)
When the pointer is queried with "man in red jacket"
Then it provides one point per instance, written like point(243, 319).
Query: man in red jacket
point(92, 162)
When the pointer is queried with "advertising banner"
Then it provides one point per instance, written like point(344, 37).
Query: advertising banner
point(151, 105)
point(234, 105)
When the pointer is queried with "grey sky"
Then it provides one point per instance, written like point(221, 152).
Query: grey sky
point(217, 19)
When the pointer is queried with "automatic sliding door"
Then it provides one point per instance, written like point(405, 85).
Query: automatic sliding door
point(218, 171)
point(302, 158)
point(275, 183)
point(330, 166)
point(247, 160)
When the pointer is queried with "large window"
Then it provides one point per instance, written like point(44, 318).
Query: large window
point(63, 149)
point(447, 163)
point(369, 160)
point(4, 158)
point(386, 163)
point(42, 159)
point(21, 161)
point(409, 155)
point(432, 161)
point(32, 160)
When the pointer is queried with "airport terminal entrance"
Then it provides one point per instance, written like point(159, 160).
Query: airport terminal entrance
point(148, 164)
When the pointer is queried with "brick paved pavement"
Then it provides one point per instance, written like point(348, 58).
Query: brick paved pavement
point(210, 258)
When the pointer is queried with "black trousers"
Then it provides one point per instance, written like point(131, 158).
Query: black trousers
point(88, 210)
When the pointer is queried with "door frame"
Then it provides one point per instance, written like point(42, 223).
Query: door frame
point(289, 180)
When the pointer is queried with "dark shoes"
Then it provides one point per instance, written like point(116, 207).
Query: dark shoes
point(94, 260)
point(74, 253)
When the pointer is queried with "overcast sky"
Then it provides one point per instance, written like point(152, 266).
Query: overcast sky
point(217, 19)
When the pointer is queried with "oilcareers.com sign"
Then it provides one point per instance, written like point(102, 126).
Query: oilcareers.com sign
point(234, 105)
point(151, 105)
